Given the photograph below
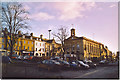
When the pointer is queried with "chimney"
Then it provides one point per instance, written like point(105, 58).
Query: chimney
point(31, 34)
point(19, 32)
point(41, 36)
point(72, 32)
point(6, 29)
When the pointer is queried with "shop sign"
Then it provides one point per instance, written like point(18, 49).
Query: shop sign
point(27, 52)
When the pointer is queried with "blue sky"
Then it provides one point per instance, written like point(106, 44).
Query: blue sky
point(95, 20)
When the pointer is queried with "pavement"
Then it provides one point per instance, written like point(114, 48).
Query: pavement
point(32, 71)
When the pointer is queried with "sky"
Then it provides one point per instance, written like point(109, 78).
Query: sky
point(94, 20)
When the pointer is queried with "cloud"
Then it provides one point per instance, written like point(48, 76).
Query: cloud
point(41, 16)
point(99, 8)
point(62, 10)
point(113, 5)
point(72, 10)
point(36, 6)
point(26, 7)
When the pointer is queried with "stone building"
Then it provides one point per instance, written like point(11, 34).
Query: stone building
point(39, 47)
point(28, 44)
point(51, 47)
point(24, 44)
point(83, 48)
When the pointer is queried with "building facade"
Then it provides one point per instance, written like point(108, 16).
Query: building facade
point(23, 46)
point(83, 48)
point(51, 47)
point(2, 44)
point(39, 47)
point(27, 44)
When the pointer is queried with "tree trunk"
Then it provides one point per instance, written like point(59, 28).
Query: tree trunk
point(11, 51)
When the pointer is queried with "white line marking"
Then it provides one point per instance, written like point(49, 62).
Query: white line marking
point(89, 73)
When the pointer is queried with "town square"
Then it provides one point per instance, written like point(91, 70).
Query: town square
point(59, 40)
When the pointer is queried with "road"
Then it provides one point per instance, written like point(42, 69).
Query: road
point(104, 72)
point(32, 71)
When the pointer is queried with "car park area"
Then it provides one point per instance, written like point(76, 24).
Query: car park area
point(56, 68)
point(31, 71)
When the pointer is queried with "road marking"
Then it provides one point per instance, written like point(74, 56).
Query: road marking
point(89, 73)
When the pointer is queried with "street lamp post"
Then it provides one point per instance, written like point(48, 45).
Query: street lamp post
point(49, 43)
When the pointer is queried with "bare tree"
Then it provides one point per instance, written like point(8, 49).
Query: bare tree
point(14, 19)
point(61, 34)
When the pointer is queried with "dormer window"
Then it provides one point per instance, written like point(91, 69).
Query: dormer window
point(36, 38)
point(31, 37)
point(23, 36)
point(40, 39)
point(72, 38)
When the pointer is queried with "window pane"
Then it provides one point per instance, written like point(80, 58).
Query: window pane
point(2, 40)
point(2, 46)
point(36, 49)
point(19, 42)
point(24, 47)
point(16, 47)
point(19, 48)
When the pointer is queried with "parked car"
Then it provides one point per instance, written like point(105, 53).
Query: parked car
point(86, 61)
point(6, 59)
point(26, 57)
point(55, 58)
point(50, 65)
point(82, 64)
point(36, 60)
point(51, 62)
point(90, 63)
point(14, 56)
point(74, 65)
point(21, 57)
point(64, 64)
point(103, 62)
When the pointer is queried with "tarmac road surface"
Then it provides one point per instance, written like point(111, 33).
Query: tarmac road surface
point(32, 72)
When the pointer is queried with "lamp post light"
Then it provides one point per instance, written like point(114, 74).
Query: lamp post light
point(49, 43)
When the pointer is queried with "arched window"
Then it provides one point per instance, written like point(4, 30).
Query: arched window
point(36, 54)
point(40, 54)
point(40, 49)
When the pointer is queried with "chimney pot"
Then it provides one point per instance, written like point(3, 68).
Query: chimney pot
point(41, 36)
point(31, 34)
point(5, 29)
point(19, 32)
